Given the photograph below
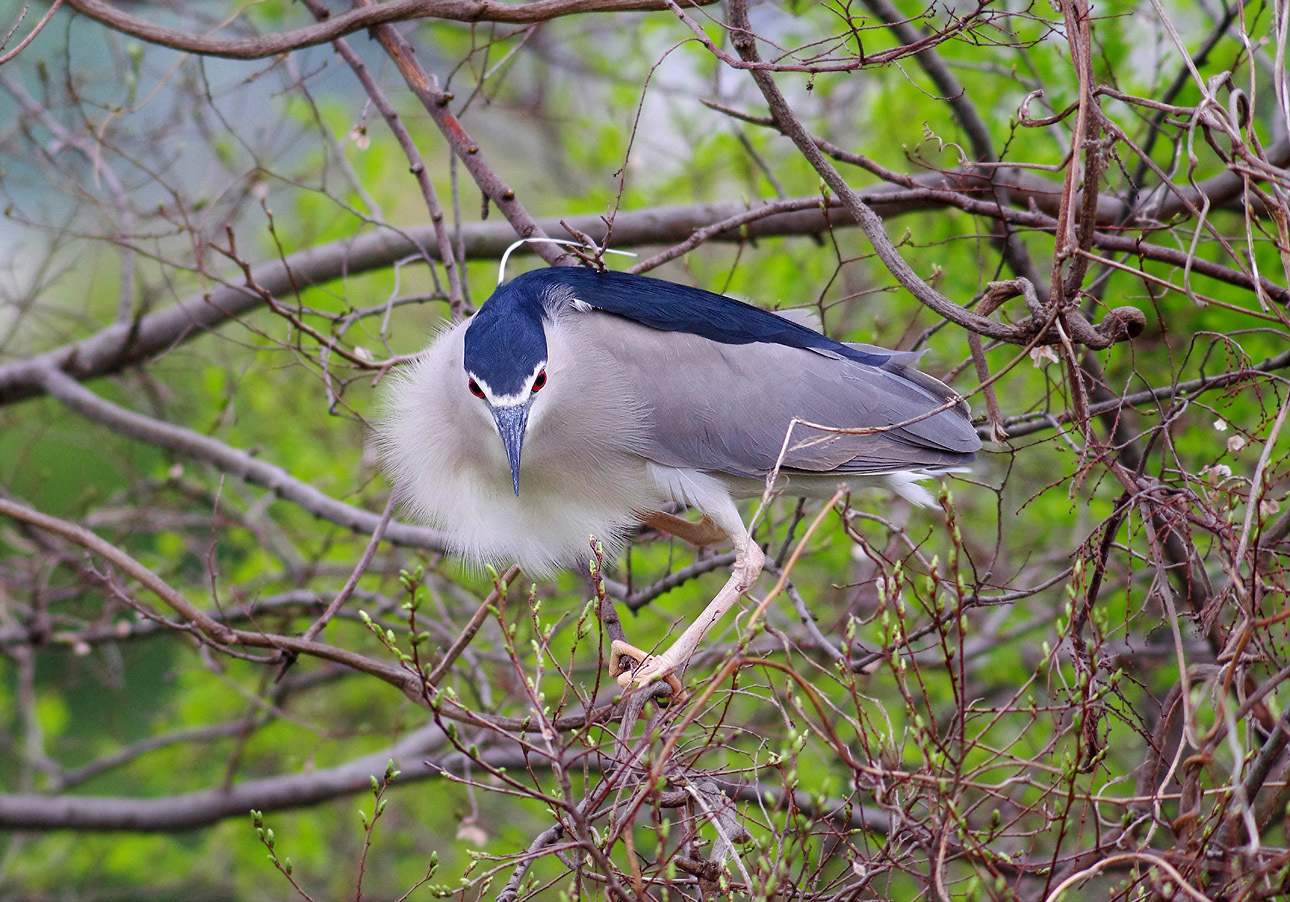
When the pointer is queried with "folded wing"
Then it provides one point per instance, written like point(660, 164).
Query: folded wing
point(709, 406)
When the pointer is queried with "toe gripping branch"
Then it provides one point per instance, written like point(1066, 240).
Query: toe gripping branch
point(626, 659)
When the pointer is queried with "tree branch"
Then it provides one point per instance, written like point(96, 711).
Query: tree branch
point(354, 20)
point(187, 811)
point(124, 345)
point(233, 461)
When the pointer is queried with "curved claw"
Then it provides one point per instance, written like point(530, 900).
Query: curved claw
point(632, 667)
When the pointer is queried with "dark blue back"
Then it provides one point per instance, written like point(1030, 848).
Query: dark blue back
point(675, 308)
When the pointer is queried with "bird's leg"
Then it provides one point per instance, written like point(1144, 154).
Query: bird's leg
point(705, 532)
point(749, 559)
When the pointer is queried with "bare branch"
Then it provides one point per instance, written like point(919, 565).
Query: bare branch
point(232, 461)
point(341, 24)
point(31, 35)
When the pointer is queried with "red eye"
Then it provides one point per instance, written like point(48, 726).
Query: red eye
point(475, 389)
point(539, 382)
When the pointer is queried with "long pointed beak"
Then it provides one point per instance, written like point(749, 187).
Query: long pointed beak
point(511, 423)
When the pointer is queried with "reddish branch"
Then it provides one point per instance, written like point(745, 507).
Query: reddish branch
point(437, 103)
point(1122, 324)
point(416, 164)
point(345, 23)
point(204, 626)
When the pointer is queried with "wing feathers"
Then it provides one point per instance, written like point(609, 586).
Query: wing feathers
point(708, 404)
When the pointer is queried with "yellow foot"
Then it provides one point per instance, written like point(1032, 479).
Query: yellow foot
point(632, 667)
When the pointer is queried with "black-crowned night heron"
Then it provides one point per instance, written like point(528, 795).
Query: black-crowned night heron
point(577, 403)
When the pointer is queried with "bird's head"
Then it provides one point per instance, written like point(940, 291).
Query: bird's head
point(505, 362)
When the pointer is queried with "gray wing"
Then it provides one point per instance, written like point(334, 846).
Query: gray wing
point(727, 408)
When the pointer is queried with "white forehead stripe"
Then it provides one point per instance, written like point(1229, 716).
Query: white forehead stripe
point(520, 397)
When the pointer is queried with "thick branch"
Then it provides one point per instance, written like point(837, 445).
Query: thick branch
point(187, 811)
point(123, 345)
point(413, 756)
point(354, 20)
point(233, 461)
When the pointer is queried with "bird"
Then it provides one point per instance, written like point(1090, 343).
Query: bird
point(580, 402)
